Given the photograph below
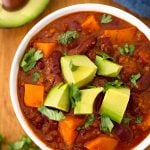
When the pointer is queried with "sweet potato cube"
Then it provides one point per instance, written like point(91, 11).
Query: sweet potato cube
point(46, 48)
point(34, 95)
point(90, 24)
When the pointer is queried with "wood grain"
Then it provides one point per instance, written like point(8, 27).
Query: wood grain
point(9, 41)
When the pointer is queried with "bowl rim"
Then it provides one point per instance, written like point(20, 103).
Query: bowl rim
point(40, 25)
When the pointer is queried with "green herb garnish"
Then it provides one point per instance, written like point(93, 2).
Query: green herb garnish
point(2, 141)
point(104, 56)
point(25, 143)
point(68, 37)
point(126, 120)
point(30, 59)
point(51, 114)
point(88, 122)
point(106, 19)
point(73, 67)
point(139, 119)
point(75, 95)
point(36, 77)
point(127, 49)
point(106, 125)
point(116, 84)
point(134, 78)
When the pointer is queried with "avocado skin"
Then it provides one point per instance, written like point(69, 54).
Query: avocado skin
point(26, 14)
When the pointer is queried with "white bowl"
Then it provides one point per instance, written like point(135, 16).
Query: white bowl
point(51, 17)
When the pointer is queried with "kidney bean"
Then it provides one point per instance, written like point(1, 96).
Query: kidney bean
point(106, 45)
point(72, 45)
point(123, 132)
point(55, 62)
point(84, 46)
point(57, 79)
point(40, 65)
point(75, 26)
point(144, 82)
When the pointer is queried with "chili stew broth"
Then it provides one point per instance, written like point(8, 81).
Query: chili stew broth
point(92, 40)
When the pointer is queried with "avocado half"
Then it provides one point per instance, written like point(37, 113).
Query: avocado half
point(11, 19)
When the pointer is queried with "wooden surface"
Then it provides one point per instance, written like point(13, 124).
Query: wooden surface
point(9, 41)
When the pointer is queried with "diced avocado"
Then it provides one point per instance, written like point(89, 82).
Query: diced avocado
point(27, 13)
point(115, 102)
point(107, 68)
point(85, 105)
point(58, 97)
point(78, 69)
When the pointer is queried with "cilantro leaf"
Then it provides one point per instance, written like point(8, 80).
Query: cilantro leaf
point(106, 124)
point(105, 56)
point(88, 122)
point(36, 77)
point(51, 114)
point(138, 119)
point(126, 120)
point(68, 37)
point(134, 78)
point(127, 49)
point(106, 19)
point(30, 58)
point(75, 95)
point(25, 143)
point(2, 141)
point(73, 67)
point(116, 84)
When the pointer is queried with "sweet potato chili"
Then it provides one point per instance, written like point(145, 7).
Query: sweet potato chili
point(84, 83)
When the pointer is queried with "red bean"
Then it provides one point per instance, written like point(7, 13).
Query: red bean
point(55, 62)
point(84, 46)
point(144, 81)
point(75, 26)
point(123, 132)
point(40, 65)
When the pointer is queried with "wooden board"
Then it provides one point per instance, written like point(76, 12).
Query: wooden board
point(9, 41)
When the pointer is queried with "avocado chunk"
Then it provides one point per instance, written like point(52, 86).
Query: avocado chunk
point(115, 102)
point(107, 68)
point(85, 105)
point(10, 19)
point(58, 97)
point(78, 69)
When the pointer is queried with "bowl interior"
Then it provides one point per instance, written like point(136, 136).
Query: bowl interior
point(51, 17)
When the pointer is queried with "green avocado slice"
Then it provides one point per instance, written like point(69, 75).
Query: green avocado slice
point(58, 97)
point(78, 69)
point(115, 102)
point(107, 68)
point(10, 19)
point(85, 105)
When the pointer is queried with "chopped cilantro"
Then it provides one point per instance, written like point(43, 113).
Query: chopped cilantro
point(127, 49)
point(139, 119)
point(30, 59)
point(106, 19)
point(25, 143)
point(36, 77)
point(116, 84)
point(126, 120)
point(73, 67)
point(51, 114)
point(75, 95)
point(68, 37)
point(134, 78)
point(88, 122)
point(106, 125)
